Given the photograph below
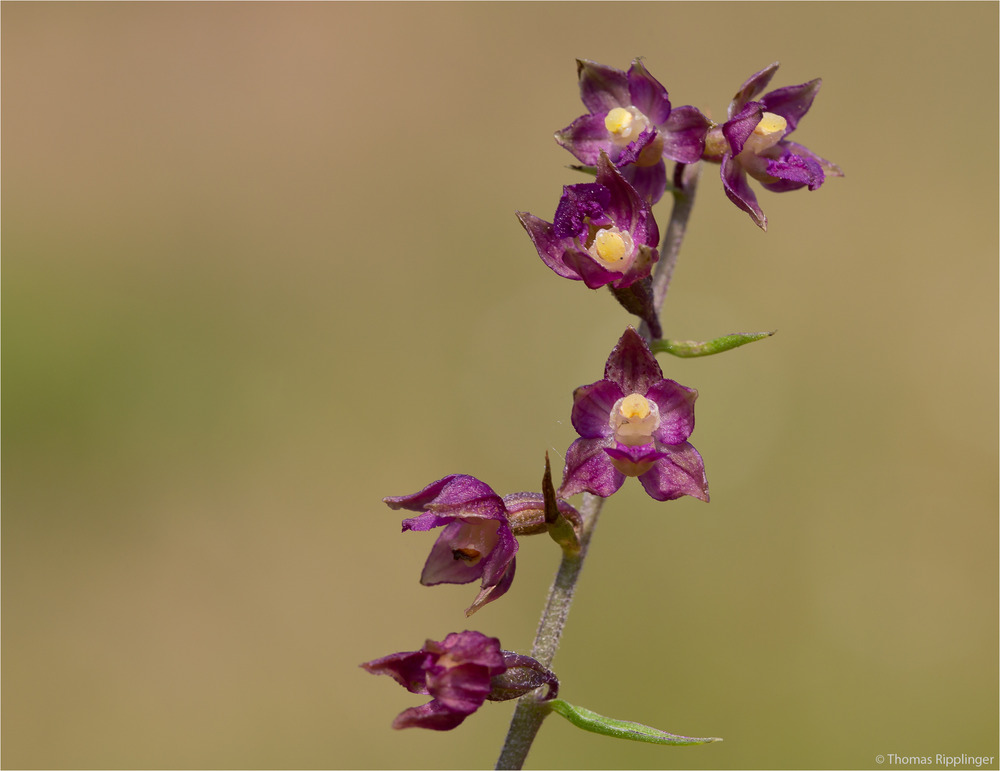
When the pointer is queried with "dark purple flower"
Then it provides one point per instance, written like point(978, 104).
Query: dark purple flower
point(754, 141)
point(603, 232)
point(456, 672)
point(631, 120)
point(461, 672)
point(477, 541)
point(636, 424)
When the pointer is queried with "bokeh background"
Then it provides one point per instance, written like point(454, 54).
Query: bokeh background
point(261, 269)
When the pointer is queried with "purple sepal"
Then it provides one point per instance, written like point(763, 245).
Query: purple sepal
point(792, 102)
point(549, 246)
point(647, 94)
point(631, 365)
point(650, 182)
point(602, 88)
point(626, 207)
point(477, 541)
point(734, 182)
point(753, 86)
point(684, 134)
point(586, 138)
point(589, 469)
point(456, 672)
point(667, 466)
point(681, 472)
point(739, 129)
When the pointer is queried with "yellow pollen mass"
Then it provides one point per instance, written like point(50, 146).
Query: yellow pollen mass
point(618, 120)
point(610, 246)
point(770, 124)
point(634, 407)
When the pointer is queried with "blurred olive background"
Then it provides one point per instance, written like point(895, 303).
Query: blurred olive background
point(261, 268)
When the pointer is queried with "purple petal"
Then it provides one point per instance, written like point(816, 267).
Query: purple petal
point(684, 135)
point(631, 365)
point(734, 182)
point(676, 405)
point(648, 94)
point(602, 88)
point(443, 567)
point(550, 247)
point(579, 206)
point(682, 472)
point(589, 469)
point(627, 208)
point(650, 182)
point(753, 86)
point(794, 172)
point(739, 129)
point(792, 102)
point(408, 669)
point(473, 648)
point(462, 688)
point(630, 154)
point(586, 137)
point(592, 406)
point(453, 490)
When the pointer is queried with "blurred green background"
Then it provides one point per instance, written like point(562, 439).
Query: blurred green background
point(261, 268)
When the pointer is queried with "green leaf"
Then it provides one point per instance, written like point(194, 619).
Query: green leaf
point(689, 348)
point(621, 729)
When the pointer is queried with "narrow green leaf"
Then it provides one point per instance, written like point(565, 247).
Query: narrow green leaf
point(621, 729)
point(689, 348)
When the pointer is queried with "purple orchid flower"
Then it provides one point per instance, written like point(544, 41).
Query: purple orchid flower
point(754, 141)
point(477, 540)
point(634, 423)
point(603, 232)
point(631, 120)
point(461, 672)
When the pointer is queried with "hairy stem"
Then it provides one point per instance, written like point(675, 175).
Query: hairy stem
point(530, 711)
point(685, 186)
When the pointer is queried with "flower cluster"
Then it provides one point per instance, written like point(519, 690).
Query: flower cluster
point(633, 422)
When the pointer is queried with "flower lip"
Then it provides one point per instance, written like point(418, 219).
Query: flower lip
point(634, 419)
